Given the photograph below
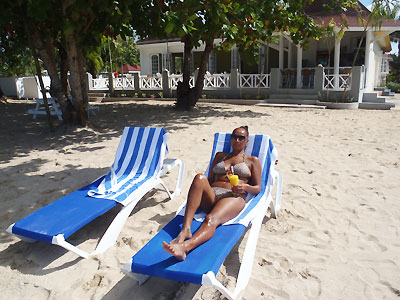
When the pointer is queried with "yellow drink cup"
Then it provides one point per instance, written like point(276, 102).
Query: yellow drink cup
point(234, 180)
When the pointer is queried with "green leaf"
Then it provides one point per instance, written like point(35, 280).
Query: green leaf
point(170, 27)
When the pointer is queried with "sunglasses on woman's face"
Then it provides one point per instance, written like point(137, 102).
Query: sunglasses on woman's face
point(238, 137)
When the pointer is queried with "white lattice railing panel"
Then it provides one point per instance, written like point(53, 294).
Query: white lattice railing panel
point(100, 84)
point(337, 81)
point(174, 79)
point(253, 81)
point(217, 81)
point(341, 79)
point(123, 83)
point(150, 83)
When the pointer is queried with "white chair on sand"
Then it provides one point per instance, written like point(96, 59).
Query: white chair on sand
point(40, 109)
point(54, 108)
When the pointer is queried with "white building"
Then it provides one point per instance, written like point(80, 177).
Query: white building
point(297, 67)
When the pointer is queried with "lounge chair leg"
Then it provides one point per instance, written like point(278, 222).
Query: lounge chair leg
point(60, 241)
point(171, 196)
point(140, 278)
point(111, 235)
point(168, 165)
point(275, 207)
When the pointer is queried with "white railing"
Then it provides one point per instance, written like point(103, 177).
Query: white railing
point(339, 81)
point(342, 79)
point(217, 81)
point(120, 83)
point(124, 83)
point(99, 84)
point(174, 79)
point(150, 83)
point(211, 81)
point(253, 81)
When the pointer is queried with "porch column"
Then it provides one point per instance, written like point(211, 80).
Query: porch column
point(336, 63)
point(289, 54)
point(368, 66)
point(281, 56)
point(234, 58)
point(299, 84)
point(167, 92)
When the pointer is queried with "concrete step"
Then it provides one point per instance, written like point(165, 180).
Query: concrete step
point(388, 93)
point(385, 91)
point(372, 98)
point(376, 106)
point(291, 101)
point(294, 96)
point(94, 94)
point(379, 88)
point(296, 105)
point(96, 97)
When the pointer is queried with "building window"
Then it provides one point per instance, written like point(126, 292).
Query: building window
point(154, 64)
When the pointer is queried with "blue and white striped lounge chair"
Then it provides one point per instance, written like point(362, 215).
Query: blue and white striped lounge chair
point(202, 263)
point(138, 167)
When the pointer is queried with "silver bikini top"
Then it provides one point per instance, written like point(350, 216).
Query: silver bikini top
point(240, 169)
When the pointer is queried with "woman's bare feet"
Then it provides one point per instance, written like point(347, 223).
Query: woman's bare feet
point(182, 236)
point(176, 249)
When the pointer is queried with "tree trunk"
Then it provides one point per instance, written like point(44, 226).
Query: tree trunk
point(43, 89)
point(63, 69)
point(78, 79)
point(187, 97)
point(46, 50)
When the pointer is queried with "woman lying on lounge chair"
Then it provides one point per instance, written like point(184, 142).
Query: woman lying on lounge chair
point(215, 195)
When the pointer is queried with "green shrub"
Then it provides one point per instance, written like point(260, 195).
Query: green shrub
point(394, 86)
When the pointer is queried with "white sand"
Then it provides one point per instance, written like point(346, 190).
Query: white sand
point(336, 237)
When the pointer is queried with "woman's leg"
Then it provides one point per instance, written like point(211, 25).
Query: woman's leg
point(224, 210)
point(200, 195)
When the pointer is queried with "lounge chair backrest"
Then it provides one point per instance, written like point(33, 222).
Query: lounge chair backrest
point(139, 157)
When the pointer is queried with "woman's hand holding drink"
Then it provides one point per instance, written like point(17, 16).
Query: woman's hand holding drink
point(234, 180)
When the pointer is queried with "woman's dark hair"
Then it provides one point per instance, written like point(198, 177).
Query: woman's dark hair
point(246, 128)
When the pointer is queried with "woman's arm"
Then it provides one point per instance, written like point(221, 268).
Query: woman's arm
point(255, 186)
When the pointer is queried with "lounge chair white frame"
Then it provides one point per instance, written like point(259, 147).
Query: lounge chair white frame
point(248, 256)
point(112, 232)
point(251, 245)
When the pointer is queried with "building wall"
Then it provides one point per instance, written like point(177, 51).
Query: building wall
point(8, 86)
point(313, 54)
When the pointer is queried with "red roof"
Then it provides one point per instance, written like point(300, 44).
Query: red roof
point(322, 16)
point(129, 68)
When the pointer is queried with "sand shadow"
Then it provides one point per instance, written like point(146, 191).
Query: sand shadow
point(16, 124)
point(128, 288)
